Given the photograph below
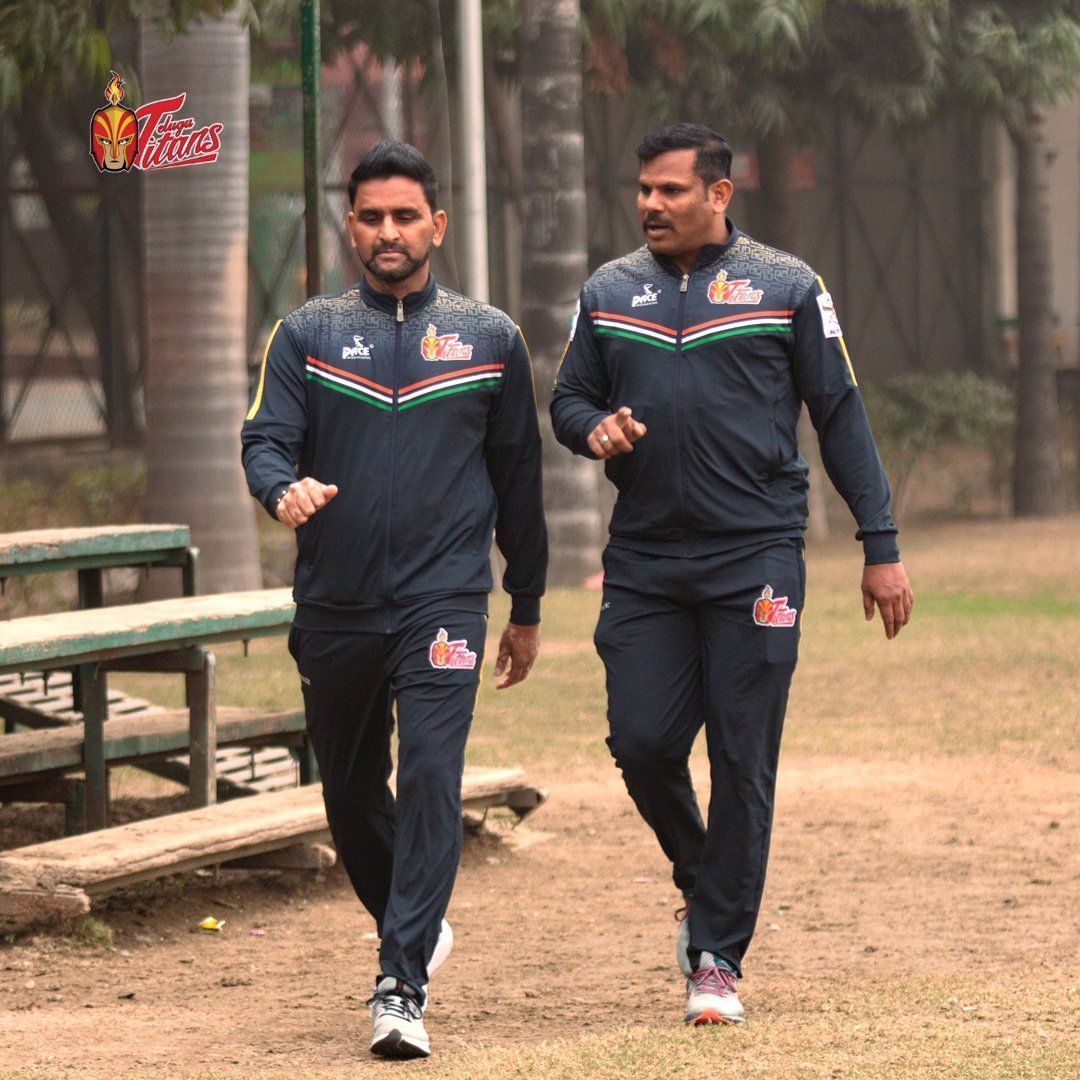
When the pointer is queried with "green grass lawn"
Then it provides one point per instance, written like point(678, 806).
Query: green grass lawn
point(990, 661)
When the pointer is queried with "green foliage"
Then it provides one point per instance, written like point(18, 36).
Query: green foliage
point(1009, 57)
point(921, 414)
point(47, 45)
point(103, 495)
point(92, 931)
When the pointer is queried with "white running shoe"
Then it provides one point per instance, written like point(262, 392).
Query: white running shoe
point(682, 940)
point(397, 1020)
point(711, 996)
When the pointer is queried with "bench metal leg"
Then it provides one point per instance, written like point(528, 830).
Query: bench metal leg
point(309, 767)
point(190, 572)
point(202, 703)
point(95, 707)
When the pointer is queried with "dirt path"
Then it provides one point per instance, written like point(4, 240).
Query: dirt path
point(881, 873)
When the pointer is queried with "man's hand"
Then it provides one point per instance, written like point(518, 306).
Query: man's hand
point(615, 434)
point(886, 584)
point(518, 647)
point(304, 498)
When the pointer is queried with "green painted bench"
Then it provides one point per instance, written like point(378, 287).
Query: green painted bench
point(165, 635)
point(93, 549)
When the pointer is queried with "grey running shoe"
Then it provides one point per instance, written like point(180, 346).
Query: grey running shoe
point(397, 1020)
point(711, 996)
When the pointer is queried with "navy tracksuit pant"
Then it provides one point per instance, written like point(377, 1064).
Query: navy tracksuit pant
point(705, 641)
point(401, 856)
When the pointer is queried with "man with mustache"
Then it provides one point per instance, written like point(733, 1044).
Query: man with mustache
point(687, 367)
point(394, 427)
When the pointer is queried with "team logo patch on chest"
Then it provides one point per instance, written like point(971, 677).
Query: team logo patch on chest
point(436, 346)
point(723, 291)
point(450, 654)
point(772, 610)
point(357, 350)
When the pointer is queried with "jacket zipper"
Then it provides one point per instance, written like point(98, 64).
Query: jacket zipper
point(676, 373)
point(399, 321)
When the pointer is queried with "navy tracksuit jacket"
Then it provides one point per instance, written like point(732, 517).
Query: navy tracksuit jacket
point(422, 412)
point(704, 575)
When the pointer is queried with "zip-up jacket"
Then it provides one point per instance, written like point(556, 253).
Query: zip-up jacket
point(422, 411)
point(717, 363)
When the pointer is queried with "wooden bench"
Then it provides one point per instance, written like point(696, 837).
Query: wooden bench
point(60, 878)
point(89, 551)
point(166, 635)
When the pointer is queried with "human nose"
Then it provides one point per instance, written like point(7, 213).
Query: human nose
point(651, 201)
point(388, 231)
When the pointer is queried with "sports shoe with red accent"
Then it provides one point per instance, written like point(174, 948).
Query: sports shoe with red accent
point(397, 1021)
point(711, 996)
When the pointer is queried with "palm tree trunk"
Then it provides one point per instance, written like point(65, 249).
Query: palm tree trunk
point(1037, 475)
point(196, 228)
point(783, 229)
point(555, 261)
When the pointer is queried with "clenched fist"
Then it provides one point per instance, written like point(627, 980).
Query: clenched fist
point(303, 499)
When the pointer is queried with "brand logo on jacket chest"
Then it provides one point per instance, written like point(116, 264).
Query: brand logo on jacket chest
point(436, 346)
point(357, 350)
point(646, 297)
point(723, 291)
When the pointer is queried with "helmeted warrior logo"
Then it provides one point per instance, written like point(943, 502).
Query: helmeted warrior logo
point(114, 131)
point(443, 653)
point(723, 291)
point(772, 610)
point(436, 346)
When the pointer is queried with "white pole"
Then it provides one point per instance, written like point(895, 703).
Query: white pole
point(474, 225)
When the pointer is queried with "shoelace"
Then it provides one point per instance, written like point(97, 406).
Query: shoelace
point(714, 980)
point(397, 1005)
point(683, 913)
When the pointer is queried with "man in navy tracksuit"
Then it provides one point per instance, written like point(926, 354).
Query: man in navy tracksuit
point(394, 427)
point(688, 365)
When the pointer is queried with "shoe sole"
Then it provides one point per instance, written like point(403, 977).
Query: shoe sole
point(396, 1046)
point(711, 1016)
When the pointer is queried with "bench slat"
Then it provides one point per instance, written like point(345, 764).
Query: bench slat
point(129, 738)
point(100, 861)
point(52, 545)
point(98, 633)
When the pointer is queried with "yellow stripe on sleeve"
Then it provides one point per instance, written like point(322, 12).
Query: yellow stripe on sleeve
point(262, 375)
point(843, 345)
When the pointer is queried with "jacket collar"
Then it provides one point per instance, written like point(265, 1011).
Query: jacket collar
point(385, 302)
point(706, 256)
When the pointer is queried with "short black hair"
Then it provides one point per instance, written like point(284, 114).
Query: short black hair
point(712, 161)
point(392, 158)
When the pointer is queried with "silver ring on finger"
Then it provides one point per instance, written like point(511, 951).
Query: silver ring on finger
point(604, 439)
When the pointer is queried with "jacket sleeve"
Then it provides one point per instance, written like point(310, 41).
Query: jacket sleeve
point(826, 382)
point(276, 422)
point(512, 455)
point(582, 386)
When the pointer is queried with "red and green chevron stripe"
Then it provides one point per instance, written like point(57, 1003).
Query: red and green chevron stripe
point(345, 382)
point(758, 322)
point(418, 393)
point(613, 324)
point(453, 382)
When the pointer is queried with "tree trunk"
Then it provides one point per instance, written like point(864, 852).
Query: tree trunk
point(782, 228)
point(196, 228)
point(1037, 475)
point(555, 262)
point(91, 253)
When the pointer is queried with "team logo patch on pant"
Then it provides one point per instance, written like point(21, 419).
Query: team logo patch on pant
point(772, 610)
point(450, 654)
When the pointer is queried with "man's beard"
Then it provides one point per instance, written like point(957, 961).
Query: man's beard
point(391, 275)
